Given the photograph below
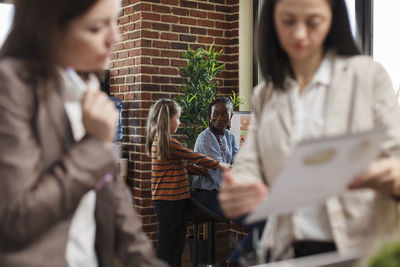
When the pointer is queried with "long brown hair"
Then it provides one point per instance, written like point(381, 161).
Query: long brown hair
point(35, 31)
point(158, 124)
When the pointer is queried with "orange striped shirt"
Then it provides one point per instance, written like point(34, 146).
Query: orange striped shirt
point(169, 177)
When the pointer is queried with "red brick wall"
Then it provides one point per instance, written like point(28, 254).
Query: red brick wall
point(144, 67)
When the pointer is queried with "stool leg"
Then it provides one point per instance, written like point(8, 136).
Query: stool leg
point(211, 242)
point(194, 245)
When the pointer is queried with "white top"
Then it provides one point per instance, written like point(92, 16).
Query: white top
point(80, 250)
point(311, 223)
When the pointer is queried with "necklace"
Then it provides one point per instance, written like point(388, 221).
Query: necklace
point(223, 151)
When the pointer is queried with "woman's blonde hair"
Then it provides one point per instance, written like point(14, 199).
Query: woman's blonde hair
point(158, 124)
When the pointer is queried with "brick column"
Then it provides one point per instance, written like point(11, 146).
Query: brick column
point(144, 67)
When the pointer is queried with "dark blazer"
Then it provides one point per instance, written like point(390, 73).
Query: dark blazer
point(43, 175)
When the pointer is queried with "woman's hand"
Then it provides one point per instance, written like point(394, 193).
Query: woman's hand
point(99, 116)
point(382, 175)
point(239, 199)
point(225, 166)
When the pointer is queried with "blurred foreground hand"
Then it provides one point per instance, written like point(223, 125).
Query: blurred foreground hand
point(237, 199)
point(99, 116)
point(382, 175)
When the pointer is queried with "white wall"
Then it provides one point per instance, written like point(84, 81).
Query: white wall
point(245, 52)
point(5, 20)
point(386, 44)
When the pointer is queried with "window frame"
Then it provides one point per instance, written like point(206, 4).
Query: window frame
point(364, 25)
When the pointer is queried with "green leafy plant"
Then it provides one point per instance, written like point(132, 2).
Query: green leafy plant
point(199, 90)
point(236, 101)
point(387, 256)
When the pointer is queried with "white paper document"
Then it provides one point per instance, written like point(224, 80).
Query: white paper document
point(319, 169)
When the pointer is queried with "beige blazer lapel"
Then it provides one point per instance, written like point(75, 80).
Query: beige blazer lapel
point(52, 124)
point(339, 99)
point(275, 133)
point(280, 105)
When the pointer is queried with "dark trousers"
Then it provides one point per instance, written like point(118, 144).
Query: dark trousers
point(209, 198)
point(309, 248)
point(303, 249)
point(171, 218)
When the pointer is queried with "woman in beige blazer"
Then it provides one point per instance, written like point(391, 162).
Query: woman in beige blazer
point(316, 85)
point(61, 200)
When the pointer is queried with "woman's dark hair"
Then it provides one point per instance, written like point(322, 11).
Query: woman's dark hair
point(274, 62)
point(223, 100)
point(35, 30)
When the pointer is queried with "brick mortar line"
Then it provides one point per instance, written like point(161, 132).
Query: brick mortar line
point(190, 25)
point(190, 34)
point(163, 75)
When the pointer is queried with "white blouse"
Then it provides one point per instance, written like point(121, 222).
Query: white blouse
point(80, 250)
point(311, 223)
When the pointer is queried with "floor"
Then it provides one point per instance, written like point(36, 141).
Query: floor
point(219, 257)
point(186, 260)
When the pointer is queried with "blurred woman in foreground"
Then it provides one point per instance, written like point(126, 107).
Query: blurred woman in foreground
point(61, 200)
point(316, 85)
